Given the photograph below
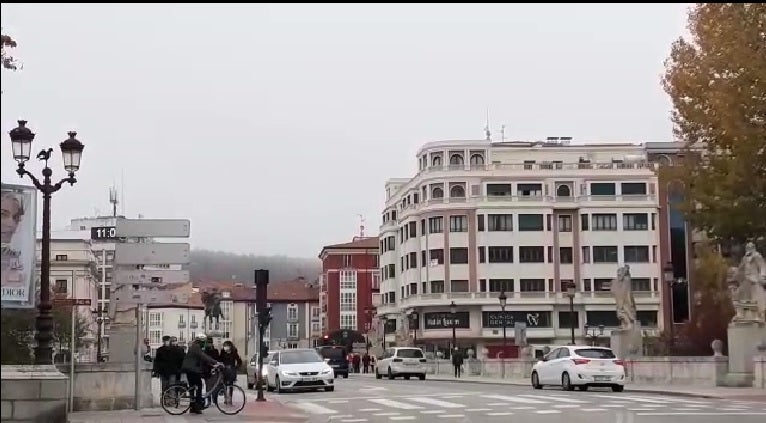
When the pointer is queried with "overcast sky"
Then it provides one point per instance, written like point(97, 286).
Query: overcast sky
point(272, 127)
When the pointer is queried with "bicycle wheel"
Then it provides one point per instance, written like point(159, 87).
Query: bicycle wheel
point(176, 399)
point(231, 399)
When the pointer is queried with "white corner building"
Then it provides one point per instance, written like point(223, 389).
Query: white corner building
point(527, 218)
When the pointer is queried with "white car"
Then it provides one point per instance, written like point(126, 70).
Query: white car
point(580, 367)
point(252, 369)
point(401, 362)
point(290, 370)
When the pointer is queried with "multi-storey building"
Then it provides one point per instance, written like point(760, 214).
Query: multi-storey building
point(72, 275)
point(527, 218)
point(184, 321)
point(295, 314)
point(350, 280)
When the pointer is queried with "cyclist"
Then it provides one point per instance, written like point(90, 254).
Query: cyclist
point(193, 367)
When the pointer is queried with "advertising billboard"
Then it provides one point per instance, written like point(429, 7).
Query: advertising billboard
point(18, 272)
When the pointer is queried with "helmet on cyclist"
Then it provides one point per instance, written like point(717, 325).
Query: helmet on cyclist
point(201, 337)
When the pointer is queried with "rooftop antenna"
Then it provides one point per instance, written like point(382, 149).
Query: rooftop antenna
point(502, 132)
point(486, 128)
point(113, 199)
point(122, 191)
point(361, 226)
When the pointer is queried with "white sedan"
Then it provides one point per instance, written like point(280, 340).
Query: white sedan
point(580, 367)
point(290, 370)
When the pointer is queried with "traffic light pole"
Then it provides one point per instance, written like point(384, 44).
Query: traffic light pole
point(261, 301)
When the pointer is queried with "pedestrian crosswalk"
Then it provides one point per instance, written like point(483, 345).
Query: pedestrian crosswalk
point(492, 405)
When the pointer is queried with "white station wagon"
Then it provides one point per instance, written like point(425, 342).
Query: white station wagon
point(580, 367)
point(401, 362)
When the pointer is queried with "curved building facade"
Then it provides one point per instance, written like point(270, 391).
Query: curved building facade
point(530, 219)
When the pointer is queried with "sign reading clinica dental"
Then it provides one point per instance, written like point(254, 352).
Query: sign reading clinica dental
point(533, 319)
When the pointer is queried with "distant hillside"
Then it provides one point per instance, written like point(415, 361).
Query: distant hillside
point(221, 266)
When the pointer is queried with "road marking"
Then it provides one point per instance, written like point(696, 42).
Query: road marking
point(432, 412)
point(556, 398)
point(515, 399)
point(636, 399)
point(341, 416)
point(394, 404)
point(701, 414)
point(652, 405)
point(369, 409)
point(452, 416)
point(338, 402)
point(499, 414)
point(566, 406)
point(613, 405)
point(353, 420)
point(436, 402)
point(593, 409)
point(663, 400)
point(521, 408)
point(402, 418)
point(548, 411)
point(386, 414)
point(312, 408)
point(478, 409)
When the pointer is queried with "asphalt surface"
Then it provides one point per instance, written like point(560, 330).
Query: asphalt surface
point(363, 399)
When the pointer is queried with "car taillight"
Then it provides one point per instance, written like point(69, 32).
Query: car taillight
point(619, 362)
point(397, 360)
point(579, 361)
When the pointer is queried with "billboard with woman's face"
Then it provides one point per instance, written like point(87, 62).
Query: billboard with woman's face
point(17, 224)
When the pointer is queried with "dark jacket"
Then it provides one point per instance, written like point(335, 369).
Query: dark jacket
point(196, 360)
point(457, 358)
point(231, 358)
point(215, 355)
point(165, 362)
point(178, 357)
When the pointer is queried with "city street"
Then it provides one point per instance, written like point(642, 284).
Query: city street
point(363, 399)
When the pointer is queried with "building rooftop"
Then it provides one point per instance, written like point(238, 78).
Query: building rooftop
point(297, 290)
point(238, 291)
point(195, 299)
point(357, 242)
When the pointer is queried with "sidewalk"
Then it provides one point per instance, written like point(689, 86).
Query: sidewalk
point(271, 411)
point(750, 394)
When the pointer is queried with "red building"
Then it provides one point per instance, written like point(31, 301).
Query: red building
point(350, 277)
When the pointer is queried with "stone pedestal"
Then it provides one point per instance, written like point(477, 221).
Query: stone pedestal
point(34, 394)
point(122, 343)
point(627, 343)
point(744, 339)
point(111, 386)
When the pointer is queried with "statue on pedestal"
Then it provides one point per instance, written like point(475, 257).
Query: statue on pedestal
point(212, 302)
point(623, 295)
point(747, 284)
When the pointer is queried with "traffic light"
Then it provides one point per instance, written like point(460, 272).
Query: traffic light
point(264, 317)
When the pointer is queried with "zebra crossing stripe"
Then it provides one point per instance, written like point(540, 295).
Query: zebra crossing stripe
point(394, 404)
point(557, 398)
point(312, 408)
point(436, 402)
point(515, 399)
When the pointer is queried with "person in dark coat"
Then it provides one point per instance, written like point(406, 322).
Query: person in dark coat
point(194, 364)
point(457, 361)
point(366, 362)
point(210, 378)
point(165, 366)
point(231, 361)
point(178, 356)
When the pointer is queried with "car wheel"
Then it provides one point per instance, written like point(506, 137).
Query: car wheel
point(422, 377)
point(566, 384)
point(618, 388)
point(250, 385)
point(390, 375)
point(583, 388)
point(277, 386)
point(536, 381)
point(407, 377)
point(378, 375)
point(329, 388)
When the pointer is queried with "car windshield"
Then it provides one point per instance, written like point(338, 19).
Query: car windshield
point(410, 353)
point(333, 353)
point(595, 353)
point(296, 357)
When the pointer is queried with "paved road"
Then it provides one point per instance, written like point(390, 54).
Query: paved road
point(362, 399)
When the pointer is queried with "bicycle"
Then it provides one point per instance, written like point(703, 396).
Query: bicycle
point(181, 393)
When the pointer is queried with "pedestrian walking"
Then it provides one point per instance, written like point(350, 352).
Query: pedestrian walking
point(231, 362)
point(210, 378)
point(165, 364)
point(457, 361)
point(366, 362)
point(356, 362)
point(194, 364)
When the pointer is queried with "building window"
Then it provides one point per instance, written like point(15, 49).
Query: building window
point(633, 188)
point(530, 222)
point(480, 222)
point(315, 327)
point(641, 284)
point(500, 254)
point(605, 254)
point(155, 336)
point(458, 255)
point(348, 321)
point(602, 284)
point(585, 254)
point(292, 330)
point(435, 225)
point(604, 222)
point(501, 285)
point(482, 255)
point(61, 257)
point(458, 224)
point(636, 254)
point(155, 319)
point(60, 286)
point(565, 223)
point(348, 301)
point(348, 279)
point(563, 191)
point(456, 160)
point(500, 222)
point(437, 256)
point(457, 191)
point(459, 286)
point(347, 260)
point(584, 222)
point(529, 190)
point(437, 192)
point(565, 255)
point(532, 285)
point(529, 254)
point(477, 160)
point(499, 190)
point(635, 222)
point(292, 312)
point(601, 188)
point(437, 287)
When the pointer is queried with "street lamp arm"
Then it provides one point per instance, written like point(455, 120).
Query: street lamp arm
point(22, 171)
point(71, 180)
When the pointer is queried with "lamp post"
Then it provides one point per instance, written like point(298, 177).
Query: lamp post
point(503, 300)
point(571, 294)
point(416, 322)
point(383, 320)
point(71, 150)
point(453, 313)
point(593, 336)
point(669, 276)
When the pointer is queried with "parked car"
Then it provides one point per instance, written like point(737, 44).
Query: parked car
point(336, 357)
point(298, 369)
point(580, 367)
point(401, 362)
point(252, 369)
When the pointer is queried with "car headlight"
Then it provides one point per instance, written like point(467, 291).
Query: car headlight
point(326, 371)
point(290, 374)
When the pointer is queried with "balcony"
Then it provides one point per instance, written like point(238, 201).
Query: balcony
point(193, 325)
point(519, 298)
point(181, 325)
point(544, 167)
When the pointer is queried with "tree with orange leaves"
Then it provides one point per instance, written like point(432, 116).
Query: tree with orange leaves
point(717, 83)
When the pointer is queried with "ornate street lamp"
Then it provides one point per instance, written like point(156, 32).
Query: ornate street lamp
point(71, 151)
point(503, 300)
point(571, 295)
point(453, 313)
point(416, 323)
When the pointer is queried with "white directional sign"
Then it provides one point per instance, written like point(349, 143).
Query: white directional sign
point(150, 297)
point(151, 253)
point(149, 277)
point(153, 228)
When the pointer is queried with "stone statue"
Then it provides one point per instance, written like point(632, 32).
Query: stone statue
point(747, 284)
point(623, 295)
point(212, 308)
